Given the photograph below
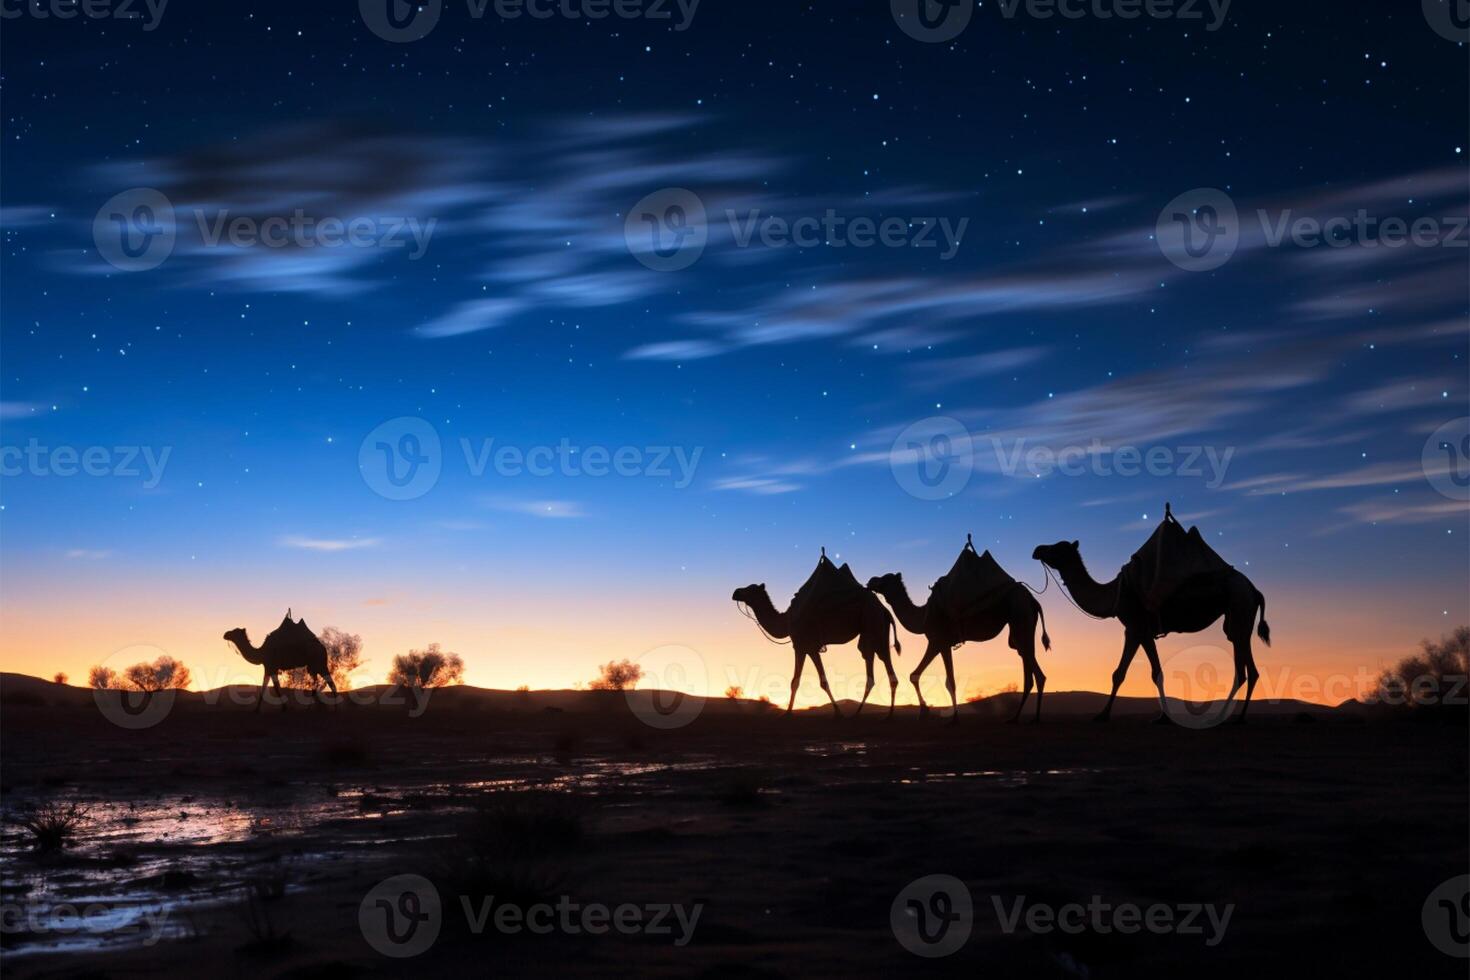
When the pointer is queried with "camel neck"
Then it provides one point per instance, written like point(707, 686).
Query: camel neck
point(774, 622)
point(912, 617)
point(1094, 598)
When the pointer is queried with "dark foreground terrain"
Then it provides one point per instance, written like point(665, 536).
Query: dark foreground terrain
point(228, 844)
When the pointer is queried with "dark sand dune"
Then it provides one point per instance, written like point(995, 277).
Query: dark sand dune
point(795, 835)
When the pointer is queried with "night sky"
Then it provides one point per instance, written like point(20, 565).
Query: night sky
point(782, 376)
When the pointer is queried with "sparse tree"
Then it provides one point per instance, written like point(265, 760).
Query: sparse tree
point(344, 656)
point(617, 675)
point(60, 677)
point(163, 674)
point(102, 678)
point(1436, 676)
point(734, 692)
point(427, 668)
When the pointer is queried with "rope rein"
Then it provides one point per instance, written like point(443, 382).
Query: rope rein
point(1063, 590)
point(745, 611)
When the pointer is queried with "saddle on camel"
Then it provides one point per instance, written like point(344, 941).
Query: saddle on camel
point(827, 589)
point(974, 583)
point(1169, 560)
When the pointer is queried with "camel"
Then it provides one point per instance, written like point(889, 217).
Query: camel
point(1197, 604)
point(1016, 608)
point(863, 618)
point(291, 646)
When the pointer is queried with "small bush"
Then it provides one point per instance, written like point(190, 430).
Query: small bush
point(53, 826)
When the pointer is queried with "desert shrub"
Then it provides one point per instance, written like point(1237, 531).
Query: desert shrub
point(734, 692)
point(163, 674)
point(52, 825)
point(344, 656)
point(1435, 678)
point(427, 668)
point(510, 846)
point(60, 677)
point(618, 675)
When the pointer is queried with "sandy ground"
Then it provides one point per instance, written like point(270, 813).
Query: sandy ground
point(795, 837)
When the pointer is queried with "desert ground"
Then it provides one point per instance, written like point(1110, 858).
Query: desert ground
point(244, 844)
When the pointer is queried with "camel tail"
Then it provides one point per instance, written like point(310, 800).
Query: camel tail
point(897, 646)
point(1264, 629)
point(1045, 640)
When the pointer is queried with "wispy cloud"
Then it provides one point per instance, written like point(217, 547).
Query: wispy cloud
point(327, 544)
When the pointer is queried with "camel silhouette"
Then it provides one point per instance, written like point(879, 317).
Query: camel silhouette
point(1196, 604)
point(1016, 608)
point(812, 630)
point(288, 647)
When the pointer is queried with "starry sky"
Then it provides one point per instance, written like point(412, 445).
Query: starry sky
point(786, 377)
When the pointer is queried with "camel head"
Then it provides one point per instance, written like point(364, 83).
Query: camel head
point(750, 594)
point(238, 637)
point(1058, 555)
point(884, 584)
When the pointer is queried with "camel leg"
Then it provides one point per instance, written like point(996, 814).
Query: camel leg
point(1130, 650)
point(1025, 690)
point(796, 679)
point(260, 698)
point(892, 686)
point(333, 685)
point(929, 655)
point(1040, 682)
point(868, 662)
point(276, 686)
point(1156, 671)
point(1251, 676)
point(954, 705)
point(822, 676)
